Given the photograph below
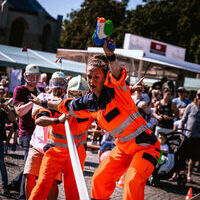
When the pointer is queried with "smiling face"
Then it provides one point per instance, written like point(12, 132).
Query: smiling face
point(95, 79)
point(32, 79)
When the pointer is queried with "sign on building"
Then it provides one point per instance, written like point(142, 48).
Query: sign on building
point(153, 48)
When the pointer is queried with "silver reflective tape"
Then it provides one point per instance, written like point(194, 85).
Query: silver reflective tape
point(82, 142)
point(58, 136)
point(57, 144)
point(64, 145)
point(134, 134)
point(79, 136)
point(124, 124)
point(123, 88)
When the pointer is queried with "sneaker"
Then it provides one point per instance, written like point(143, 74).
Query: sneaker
point(6, 191)
point(189, 180)
point(12, 187)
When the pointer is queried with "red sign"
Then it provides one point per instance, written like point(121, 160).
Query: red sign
point(158, 48)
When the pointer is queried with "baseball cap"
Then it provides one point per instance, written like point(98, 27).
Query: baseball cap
point(182, 89)
point(32, 69)
point(58, 75)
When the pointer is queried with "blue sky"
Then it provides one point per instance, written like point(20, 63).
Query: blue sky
point(62, 7)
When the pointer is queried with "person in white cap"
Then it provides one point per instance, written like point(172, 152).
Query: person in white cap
point(58, 86)
point(23, 108)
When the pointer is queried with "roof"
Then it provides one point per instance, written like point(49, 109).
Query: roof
point(14, 57)
point(140, 55)
point(31, 6)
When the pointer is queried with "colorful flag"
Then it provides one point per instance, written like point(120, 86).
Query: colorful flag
point(24, 49)
point(59, 60)
point(2, 5)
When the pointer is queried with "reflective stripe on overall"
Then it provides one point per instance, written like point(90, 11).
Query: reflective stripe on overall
point(52, 141)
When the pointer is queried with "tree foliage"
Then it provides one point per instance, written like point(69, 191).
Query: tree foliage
point(171, 21)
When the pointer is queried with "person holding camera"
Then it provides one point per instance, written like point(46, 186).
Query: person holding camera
point(5, 114)
point(165, 112)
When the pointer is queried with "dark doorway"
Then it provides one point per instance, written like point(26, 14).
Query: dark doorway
point(46, 37)
point(17, 33)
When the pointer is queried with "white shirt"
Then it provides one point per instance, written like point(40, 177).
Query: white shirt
point(40, 134)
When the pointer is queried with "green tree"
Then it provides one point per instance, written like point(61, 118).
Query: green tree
point(80, 25)
point(171, 21)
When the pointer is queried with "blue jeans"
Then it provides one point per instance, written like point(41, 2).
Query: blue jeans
point(4, 175)
point(20, 178)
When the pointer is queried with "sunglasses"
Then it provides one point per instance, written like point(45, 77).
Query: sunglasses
point(55, 84)
point(198, 95)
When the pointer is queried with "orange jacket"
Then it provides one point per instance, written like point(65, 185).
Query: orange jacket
point(57, 135)
point(115, 110)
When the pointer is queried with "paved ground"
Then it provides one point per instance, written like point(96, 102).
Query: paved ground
point(165, 191)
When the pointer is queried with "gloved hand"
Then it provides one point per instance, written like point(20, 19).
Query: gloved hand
point(48, 146)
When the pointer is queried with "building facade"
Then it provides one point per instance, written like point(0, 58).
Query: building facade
point(27, 23)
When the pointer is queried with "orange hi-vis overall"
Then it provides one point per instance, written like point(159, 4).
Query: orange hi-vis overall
point(137, 149)
point(57, 157)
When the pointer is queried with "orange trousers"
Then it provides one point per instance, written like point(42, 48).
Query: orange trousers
point(55, 160)
point(139, 165)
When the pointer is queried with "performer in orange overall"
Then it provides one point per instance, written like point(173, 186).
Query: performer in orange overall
point(137, 149)
point(56, 157)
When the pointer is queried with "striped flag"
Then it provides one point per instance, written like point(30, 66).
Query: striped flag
point(2, 5)
point(59, 60)
point(24, 49)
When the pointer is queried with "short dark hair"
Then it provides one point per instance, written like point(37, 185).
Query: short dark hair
point(165, 90)
point(164, 79)
point(100, 61)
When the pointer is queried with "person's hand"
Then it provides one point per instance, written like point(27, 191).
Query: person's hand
point(5, 106)
point(159, 118)
point(107, 51)
point(56, 99)
point(63, 117)
point(138, 85)
point(35, 100)
point(166, 117)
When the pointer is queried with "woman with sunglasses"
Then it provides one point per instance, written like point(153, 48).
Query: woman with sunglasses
point(110, 103)
point(165, 112)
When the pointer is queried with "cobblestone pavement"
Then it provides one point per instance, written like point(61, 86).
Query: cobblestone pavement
point(165, 191)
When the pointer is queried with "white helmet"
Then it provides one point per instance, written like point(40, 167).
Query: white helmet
point(78, 83)
point(32, 69)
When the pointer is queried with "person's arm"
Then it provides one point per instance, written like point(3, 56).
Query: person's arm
point(155, 113)
point(184, 118)
point(10, 113)
point(113, 64)
point(22, 109)
point(175, 110)
point(138, 85)
point(181, 126)
point(175, 127)
point(47, 121)
point(46, 104)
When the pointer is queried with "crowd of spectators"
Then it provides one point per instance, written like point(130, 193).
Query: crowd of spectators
point(164, 108)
